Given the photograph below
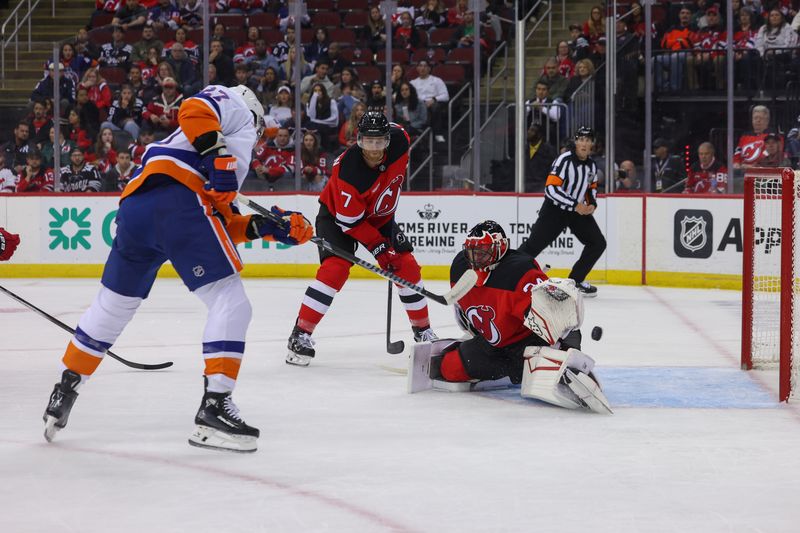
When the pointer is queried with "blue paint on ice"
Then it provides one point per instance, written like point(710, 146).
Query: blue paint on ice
point(678, 387)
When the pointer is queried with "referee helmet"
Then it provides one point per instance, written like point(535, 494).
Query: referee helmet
point(585, 131)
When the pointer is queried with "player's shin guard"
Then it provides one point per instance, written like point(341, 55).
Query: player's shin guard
point(331, 277)
point(416, 305)
point(229, 314)
point(98, 328)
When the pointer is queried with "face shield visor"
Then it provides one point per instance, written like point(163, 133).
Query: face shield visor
point(373, 144)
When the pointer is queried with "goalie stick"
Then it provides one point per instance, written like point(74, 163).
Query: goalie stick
point(459, 290)
point(57, 322)
point(396, 347)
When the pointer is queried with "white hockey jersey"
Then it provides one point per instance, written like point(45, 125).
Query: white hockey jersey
point(215, 108)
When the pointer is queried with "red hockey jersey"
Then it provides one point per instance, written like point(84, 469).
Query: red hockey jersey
point(363, 199)
point(707, 180)
point(750, 149)
point(42, 181)
point(497, 308)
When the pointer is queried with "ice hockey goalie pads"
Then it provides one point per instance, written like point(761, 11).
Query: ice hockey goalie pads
point(419, 363)
point(556, 309)
point(563, 379)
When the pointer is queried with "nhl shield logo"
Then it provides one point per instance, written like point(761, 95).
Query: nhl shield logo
point(693, 234)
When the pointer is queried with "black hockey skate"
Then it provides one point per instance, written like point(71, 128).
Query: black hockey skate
point(219, 426)
point(301, 348)
point(588, 290)
point(60, 404)
point(424, 334)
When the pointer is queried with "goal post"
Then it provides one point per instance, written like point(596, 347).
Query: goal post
point(770, 287)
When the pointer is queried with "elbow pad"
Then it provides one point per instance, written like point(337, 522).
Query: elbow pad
point(209, 143)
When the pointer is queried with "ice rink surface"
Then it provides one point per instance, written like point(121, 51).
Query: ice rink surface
point(695, 445)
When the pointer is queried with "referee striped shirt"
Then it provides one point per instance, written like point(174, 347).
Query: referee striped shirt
point(571, 181)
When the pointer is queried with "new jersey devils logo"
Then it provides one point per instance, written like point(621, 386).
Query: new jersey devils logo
point(482, 319)
point(387, 200)
point(752, 151)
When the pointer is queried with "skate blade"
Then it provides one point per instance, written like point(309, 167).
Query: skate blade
point(297, 359)
point(206, 437)
point(50, 428)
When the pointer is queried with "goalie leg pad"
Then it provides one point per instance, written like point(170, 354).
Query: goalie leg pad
point(419, 363)
point(588, 390)
point(543, 378)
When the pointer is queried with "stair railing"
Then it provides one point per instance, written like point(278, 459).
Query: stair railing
point(9, 32)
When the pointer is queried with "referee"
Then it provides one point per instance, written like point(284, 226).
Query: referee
point(570, 199)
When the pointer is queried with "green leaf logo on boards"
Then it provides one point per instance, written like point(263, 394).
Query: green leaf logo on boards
point(69, 228)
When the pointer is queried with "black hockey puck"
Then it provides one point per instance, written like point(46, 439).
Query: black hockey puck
point(597, 333)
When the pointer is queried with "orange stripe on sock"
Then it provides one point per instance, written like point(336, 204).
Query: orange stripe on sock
point(223, 365)
point(79, 361)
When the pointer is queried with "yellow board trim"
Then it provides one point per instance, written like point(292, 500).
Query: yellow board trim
point(431, 272)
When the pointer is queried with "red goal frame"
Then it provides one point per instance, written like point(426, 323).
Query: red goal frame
point(786, 357)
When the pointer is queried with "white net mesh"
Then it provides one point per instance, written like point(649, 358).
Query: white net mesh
point(766, 272)
point(769, 238)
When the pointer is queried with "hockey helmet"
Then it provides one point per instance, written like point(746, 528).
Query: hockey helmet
point(485, 246)
point(255, 107)
point(585, 131)
point(373, 131)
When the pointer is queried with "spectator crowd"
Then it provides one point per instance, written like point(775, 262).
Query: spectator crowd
point(124, 76)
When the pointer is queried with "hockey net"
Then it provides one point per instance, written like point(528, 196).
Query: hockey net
point(770, 277)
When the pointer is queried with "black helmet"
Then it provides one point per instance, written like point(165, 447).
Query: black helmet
point(486, 245)
point(373, 125)
point(585, 131)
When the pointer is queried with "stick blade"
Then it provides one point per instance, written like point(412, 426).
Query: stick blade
point(395, 347)
point(462, 287)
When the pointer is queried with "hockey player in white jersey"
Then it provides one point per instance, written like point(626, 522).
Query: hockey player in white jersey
point(179, 207)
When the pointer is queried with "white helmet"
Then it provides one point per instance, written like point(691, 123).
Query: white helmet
point(252, 103)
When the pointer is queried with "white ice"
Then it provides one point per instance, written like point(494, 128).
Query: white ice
point(695, 445)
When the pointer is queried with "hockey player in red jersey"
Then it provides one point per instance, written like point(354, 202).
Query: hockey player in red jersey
point(357, 207)
point(521, 323)
point(178, 207)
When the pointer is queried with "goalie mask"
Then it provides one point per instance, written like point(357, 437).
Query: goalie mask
point(486, 245)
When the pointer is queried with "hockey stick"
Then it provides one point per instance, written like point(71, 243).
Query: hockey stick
point(459, 290)
point(396, 347)
point(57, 322)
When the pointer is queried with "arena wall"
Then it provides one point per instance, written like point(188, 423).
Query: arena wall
point(670, 240)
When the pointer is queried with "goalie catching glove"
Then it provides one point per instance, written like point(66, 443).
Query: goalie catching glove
point(556, 309)
point(296, 228)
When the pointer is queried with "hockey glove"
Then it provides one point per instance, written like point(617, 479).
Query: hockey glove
point(387, 257)
point(221, 172)
point(399, 240)
point(295, 230)
point(8, 243)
